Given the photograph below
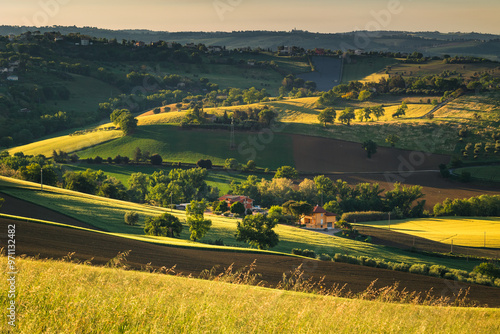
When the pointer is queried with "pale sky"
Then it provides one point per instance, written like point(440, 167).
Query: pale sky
point(328, 16)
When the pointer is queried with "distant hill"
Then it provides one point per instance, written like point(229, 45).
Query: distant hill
point(429, 43)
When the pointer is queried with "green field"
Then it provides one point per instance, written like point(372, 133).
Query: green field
point(104, 300)
point(486, 173)
point(358, 68)
point(175, 144)
point(468, 232)
point(107, 214)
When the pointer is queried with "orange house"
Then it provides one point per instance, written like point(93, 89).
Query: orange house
point(320, 218)
point(245, 200)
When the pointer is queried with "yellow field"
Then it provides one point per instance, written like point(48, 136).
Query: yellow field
point(463, 231)
point(163, 118)
point(375, 77)
point(67, 143)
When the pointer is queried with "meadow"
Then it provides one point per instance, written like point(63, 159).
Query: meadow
point(362, 68)
point(53, 294)
point(176, 144)
point(483, 173)
point(107, 214)
point(462, 231)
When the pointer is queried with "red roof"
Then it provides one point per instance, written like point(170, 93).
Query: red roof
point(319, 209)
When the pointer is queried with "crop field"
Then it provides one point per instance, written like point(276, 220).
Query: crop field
point(472, 232)
point(433, 67)
point(67, 143)
point(487, 107)
point(176, 144)
point(107, 214)
point(88, 297)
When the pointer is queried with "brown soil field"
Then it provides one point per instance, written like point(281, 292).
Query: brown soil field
point(323, 155)
point(48, 241)
point(17, 207)
point(435, 188)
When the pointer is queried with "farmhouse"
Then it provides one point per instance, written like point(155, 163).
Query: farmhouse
point(320, 218)
point(245, 200)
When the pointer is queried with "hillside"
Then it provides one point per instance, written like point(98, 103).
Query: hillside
point(431, 43)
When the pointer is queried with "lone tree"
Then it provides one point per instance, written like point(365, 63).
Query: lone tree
point(370, 147)
point(378, 111)
point(286, 172)
point(327, 116)
point(198, 225)
point(165, 225)
point(131, 218)
point(238, 208)
point(257, 231)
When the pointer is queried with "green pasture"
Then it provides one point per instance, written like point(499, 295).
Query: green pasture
point(358, 67)
point(267, 149)
point(486, 173)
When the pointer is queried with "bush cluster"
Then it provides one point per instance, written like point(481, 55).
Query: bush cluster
point(364, 216)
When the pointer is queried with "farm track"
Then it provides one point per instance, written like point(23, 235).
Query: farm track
point(47, 241)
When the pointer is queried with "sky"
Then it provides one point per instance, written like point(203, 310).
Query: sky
point(326, 16)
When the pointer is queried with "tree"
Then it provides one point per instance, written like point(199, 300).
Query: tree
point(401, 111)
point(276, 214)
point(128, 123)
point(131, 218)
point(257, 230)
point(165, 225)
point(207, 164)
point(156, 159)
point(286, 172)
point(138, 187)
point(137, 156)
point(198, 225)
point(266, 116)
point(402, 197)
point(238, 208)
point(327, 115)
point(347, 115)
point(231, 163)
point(364, 95)
point(392, 139)
point(251, 165)
point(370, 147)
point(221, 207)
point(378, 111)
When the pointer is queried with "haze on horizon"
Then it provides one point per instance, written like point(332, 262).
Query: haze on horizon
point(326, 16)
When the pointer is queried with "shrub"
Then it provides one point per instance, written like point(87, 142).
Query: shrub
point(325, 257)
point(421, 269)
point(488, 269)
point(309, 253)
point(156, 159)
point(131, 218)
point(438, 271)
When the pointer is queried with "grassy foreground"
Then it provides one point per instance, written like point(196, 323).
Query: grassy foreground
point(59, 297)
point(469, 232)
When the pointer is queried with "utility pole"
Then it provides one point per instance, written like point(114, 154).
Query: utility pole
point(171, 205)
point(41, 178)
point(232, 144)
point(451, 246)
point(484, 239)
point(389, 221)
